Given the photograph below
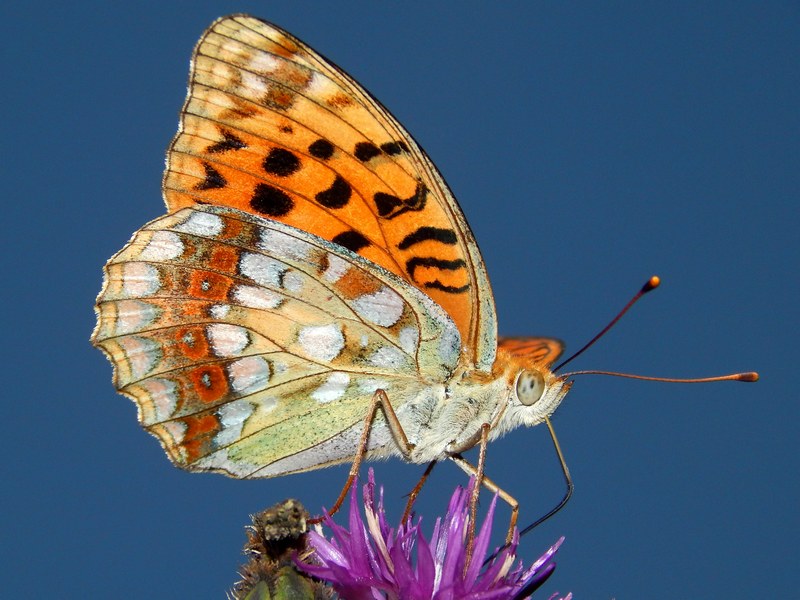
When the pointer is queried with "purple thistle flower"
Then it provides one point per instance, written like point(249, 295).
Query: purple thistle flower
point(371, 561)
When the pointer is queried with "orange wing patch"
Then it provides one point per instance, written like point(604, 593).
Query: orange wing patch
point(271, 128)
point(540, 350)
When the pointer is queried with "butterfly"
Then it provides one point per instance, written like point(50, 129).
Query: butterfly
point(312, 260)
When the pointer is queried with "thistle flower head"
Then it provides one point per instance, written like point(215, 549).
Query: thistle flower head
point(372, 561)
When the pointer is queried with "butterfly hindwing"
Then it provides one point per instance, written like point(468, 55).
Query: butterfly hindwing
point(274, 129)
point(254, 348)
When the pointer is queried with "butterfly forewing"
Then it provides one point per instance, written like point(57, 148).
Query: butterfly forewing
point(253, 348)
point(272, 128)
point(541, 350)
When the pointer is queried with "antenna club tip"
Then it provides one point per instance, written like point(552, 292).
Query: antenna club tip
point(651, 284)
point(752, 376)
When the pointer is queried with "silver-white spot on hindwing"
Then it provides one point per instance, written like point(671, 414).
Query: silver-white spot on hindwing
point(293, 281)
point(256, 297)
point(262, 269)
point(202, 224)
point(162, 397)
point(133, 316)
point(450, 346)
point(336, 268)
point(409, 339)
point(384, 307)
point(278, 243)
point(176, 430)
point(232, 416)
point(140, 280)
point(219, 311)
point(322, 342)
point(142, 354)
point(163, 246)
point(334, 388)
point(387, 357)
point(227, 340)
point(249, 374)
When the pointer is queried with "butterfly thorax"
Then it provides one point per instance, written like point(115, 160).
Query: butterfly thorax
point(519, 391)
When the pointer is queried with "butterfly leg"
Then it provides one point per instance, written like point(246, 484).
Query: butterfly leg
point(476, 489)
point(412, 496)
point(379, 400)
point(512, 502)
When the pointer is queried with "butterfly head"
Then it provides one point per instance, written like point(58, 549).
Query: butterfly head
point(534, 393)
point(533, 390)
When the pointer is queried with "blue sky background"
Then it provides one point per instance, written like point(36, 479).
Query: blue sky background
point(589, 149)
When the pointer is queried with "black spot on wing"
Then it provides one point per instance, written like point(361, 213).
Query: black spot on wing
point(270, 201)
point(451, 289)
point(393, 148)
point(281, 163)
point(321, 149)
point(214, 179)
point(425, 233)
point(228, 142)
point(436, 263)
point(365, 151)
point(352, 240)
point(389, 205)
point(386, 203)
point(337, 195)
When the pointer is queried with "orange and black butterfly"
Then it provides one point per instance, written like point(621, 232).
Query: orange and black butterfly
point(312, 257)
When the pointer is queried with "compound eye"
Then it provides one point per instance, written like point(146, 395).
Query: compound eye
point(530, 387)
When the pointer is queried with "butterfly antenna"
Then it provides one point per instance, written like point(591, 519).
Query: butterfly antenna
point(749, 377)
point(651, 284)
